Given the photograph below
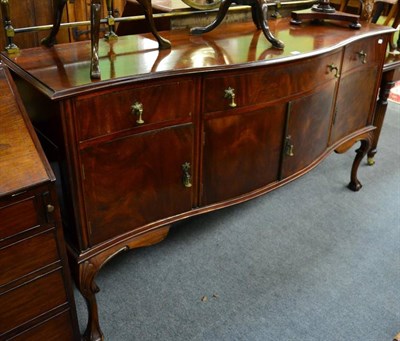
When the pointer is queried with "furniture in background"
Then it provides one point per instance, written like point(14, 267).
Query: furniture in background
point(391, 74)
point(36, 298)
point(245, 119)
point(41, 17)
point(391, 71)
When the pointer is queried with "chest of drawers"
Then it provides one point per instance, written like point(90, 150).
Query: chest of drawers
point(217, 120)
point(36, 301)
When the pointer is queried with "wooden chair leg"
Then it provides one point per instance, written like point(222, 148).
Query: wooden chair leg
point(58, 6)
point(95, 12)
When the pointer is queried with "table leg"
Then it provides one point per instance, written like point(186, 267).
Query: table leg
point(86, 268)
point(95, 12)
point(386, 84)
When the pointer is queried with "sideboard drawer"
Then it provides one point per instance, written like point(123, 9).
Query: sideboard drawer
point(29, 301)
point(364, 53)
point(18, 217)
point(54, 329)
point(268, 84)
point(115, 111)
point(27, 256)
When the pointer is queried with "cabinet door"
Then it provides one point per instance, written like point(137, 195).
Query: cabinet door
point(358, 86)
point(241, 152)
point(307, 132)
point(355, 102)
point(136, 180)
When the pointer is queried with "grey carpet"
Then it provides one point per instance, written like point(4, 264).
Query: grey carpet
point(309, 261)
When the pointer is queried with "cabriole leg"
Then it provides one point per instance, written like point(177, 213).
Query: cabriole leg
point(58, 8)
point(223, 9)
point(89, 289)
point(355, 184)
point(148, 12)
point(86, 271)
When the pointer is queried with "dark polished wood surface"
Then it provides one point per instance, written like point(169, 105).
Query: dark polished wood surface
point(21, 165)
point(63, 70)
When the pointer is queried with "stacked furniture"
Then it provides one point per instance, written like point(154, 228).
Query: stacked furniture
point(36, 299)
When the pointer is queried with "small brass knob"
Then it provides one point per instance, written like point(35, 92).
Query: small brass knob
point(230, 94)
point(333, 68)
point(50, 208)
point(137, 109)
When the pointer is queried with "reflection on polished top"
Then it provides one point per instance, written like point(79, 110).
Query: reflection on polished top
point(64, 69)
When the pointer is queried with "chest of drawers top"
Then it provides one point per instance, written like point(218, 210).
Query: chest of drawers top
point(22, 163)
point(63, 70)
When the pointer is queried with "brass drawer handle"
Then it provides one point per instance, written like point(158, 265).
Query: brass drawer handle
point(363, 56)
point(289, 146)
point(230, 94)
point(187, 178)
point(137, 109)
point(332, 67)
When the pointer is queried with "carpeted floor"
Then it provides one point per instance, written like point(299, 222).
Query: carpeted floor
point(309, 261)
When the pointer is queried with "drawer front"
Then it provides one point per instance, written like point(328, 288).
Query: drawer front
point(58, 328)
point(268, 84)
point(31, 300)
point(26, 256)
point(364, 53)
point(18, 217)
point(116, 111)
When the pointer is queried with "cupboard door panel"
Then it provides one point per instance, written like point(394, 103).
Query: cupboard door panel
point(309, 120)
point(147, 188)
point(355, 102)
point(241, 152)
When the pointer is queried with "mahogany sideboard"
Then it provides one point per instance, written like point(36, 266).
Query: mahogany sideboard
point(218, 119)
point(36, 298)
